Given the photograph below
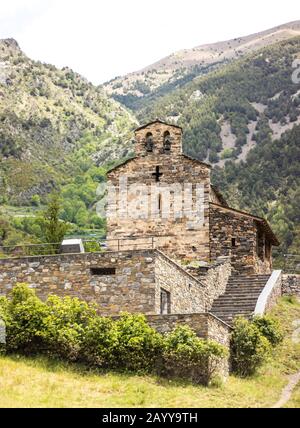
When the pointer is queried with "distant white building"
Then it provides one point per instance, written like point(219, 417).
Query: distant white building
point(70, 246)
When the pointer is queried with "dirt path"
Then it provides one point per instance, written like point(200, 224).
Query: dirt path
point(287, 391)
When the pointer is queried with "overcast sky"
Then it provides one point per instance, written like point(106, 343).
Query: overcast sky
point(102, 39)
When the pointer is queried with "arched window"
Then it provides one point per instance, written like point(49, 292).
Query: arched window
point(159, 203)
point(149, 142)
point(167, 142)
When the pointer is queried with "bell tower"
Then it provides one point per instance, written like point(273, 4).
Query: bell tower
point(158, 138)
point(161, 196)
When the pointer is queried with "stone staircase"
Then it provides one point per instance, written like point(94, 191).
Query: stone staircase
point(240, 297)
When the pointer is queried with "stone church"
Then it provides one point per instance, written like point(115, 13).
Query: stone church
point(199, 266)
point(224, 231)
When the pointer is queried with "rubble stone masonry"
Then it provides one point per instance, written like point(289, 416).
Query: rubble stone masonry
point(174, 236)
point(130, 288)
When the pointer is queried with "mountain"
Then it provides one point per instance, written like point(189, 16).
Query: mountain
point(244, 118)
point(182, 66)
point(241, 114)
point(52, 120)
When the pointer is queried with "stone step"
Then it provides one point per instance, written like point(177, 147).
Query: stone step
point(250, 288)
point(245, 287)
point(241, 279)
point(226, 317)
point(240, 297)
point(263, 281)
point(247, 282)
point(233, 308)
point(241, 294)
point(249, 278)
point(237, 297)
point(235, 301)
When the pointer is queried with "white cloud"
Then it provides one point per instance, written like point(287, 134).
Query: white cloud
point(102, 39)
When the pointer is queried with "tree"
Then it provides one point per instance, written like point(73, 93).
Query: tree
point(53, 228)
point(4, 228)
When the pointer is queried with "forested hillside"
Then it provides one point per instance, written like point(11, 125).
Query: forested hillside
point(244, 119)
point(59, 131)
point(53, 125)
point(183, 66)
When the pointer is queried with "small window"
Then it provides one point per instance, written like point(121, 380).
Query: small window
point(194, 248)
point(233, 242)
point(103, 271)
point(159, 202)
point(167, 142)
point(165, 302)
point(149, 142)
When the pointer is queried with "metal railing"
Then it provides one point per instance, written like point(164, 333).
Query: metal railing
point(90, 246)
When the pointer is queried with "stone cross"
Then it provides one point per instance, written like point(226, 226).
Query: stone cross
point(157, 174)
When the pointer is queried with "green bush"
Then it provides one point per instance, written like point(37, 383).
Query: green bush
point(25, 321)
point(269, 328)
point(139, 345)
point(249, 347)
point(100, 342)
point(65, 324)
point(187, 356)
point(69, 328)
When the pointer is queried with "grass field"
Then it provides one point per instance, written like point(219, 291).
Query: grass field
point(38, 382)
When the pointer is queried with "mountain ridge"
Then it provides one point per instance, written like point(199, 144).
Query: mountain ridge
point(180, 64)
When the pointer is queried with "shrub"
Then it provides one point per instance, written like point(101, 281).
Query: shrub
point(139, 345)
point(65, 325)
point(100, 342)
point(25, 321)
point(269, 328)
point(185, 355)
point(249, 347)
point(71, 329)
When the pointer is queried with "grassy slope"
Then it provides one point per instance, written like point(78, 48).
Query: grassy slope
point(31, 382)
point(51, 120)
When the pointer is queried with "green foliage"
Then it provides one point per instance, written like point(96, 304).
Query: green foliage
point(227, 153)
point(249, 347)
point(187, 356)
point(65, 324)
point(269, 328)
point(36, 200)
point(71, 329)
point(54, 229)
point(24, 321)
point(61, 108)
point(100, 342)
point(259, 88)
point(139, 345)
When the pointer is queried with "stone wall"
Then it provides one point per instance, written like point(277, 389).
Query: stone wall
point(205, 325)
point(173, 234)
point(187, 294)
point(131, 288)
point(270, 293)
point(134, 286)
point(291, 285)
point(227, 225)
point(213, 277)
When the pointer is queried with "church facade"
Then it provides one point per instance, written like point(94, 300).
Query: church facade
point(170, 179)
